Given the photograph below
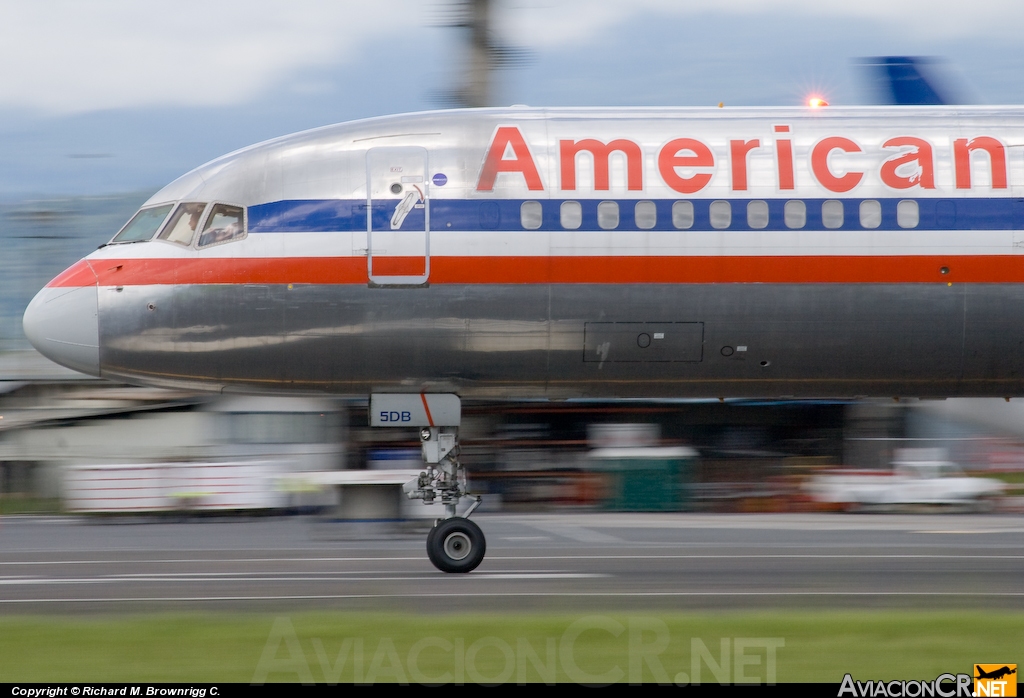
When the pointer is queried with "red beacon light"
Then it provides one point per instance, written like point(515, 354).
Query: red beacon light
point(816, 103)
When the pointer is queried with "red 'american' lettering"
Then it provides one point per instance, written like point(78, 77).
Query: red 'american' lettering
point(688, 165)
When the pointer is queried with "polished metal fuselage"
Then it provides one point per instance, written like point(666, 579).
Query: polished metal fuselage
point(509, 341)
point(528, 330)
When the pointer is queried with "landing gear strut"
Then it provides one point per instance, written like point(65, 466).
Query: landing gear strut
point(454, 544)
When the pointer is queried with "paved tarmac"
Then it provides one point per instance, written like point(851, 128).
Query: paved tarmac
point(541, 562)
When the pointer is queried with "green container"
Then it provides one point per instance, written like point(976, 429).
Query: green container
point(646, 479)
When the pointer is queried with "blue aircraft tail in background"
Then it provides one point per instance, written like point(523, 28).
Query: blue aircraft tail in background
point(905, 80)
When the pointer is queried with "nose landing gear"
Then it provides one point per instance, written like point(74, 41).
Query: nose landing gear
point(454, 544)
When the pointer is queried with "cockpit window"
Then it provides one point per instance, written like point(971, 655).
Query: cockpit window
point(143, 225)
point(223, 224)
point(183, 224)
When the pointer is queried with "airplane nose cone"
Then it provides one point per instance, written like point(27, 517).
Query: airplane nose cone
point(62, 323)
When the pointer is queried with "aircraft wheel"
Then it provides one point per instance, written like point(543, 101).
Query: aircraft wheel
point(456, 545)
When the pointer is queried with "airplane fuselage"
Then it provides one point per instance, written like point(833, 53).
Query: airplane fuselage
point(605, 253)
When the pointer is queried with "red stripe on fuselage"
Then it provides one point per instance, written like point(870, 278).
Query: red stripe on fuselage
point(399, 266)
point(257, 270)
point(78, 274)
point(561, 270)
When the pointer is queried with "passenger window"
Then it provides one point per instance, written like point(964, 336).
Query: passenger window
point(183, 224)
point(143, 225)
point(907, 214)
point(571, 215)
point(870, 214)
point(682, 215)
point(608, 215)
point(795, 214)
point(531, 215)
point(757, 214)
point(832, 214)
point(721, 214)
point(645, 215)
point(225, 223)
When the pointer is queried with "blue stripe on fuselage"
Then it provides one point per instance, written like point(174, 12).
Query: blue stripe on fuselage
point(341, 215)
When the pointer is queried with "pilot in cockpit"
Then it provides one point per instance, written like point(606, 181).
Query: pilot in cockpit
point(224, 223)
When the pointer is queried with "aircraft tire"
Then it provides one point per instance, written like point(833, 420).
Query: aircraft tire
point(456, 545)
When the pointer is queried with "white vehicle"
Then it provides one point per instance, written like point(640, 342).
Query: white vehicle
point(916, 478)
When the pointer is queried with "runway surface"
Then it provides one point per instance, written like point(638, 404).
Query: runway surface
point(563, 561)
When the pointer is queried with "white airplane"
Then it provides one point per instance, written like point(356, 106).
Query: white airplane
point(570, 253)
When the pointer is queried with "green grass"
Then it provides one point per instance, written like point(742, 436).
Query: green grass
point(14, 504)
point(1015, 479)
point(374, 647)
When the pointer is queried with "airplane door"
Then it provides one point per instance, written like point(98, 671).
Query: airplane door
point(397, 217)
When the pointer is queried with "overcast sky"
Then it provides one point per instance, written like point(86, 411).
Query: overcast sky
point(124, 95)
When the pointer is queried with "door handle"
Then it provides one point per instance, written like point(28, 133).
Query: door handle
point(404, 206)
